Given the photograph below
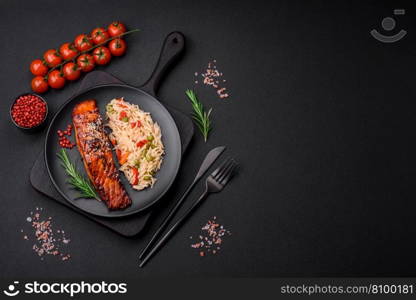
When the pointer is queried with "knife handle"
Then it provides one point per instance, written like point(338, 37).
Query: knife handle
point(166, 221)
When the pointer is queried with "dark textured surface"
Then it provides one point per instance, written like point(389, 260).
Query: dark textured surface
point(321, 117)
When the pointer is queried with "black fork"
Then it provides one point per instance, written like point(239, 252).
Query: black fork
point(214, 184)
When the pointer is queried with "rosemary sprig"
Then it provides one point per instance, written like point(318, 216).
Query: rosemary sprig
point(77, 181)
point(200, 116)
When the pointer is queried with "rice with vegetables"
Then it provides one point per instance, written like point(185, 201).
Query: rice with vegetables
point(137, 141)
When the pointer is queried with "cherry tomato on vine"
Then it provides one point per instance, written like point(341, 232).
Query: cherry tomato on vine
point(99, 35)
point(38, 68)
point(39, 84)
point(52, 58)
point(83, 42)
point(56, 79)
point(71, 71)
point(86, 62)
point(117, 47)
point(116, 28)
point(68, 51)
point(102, 55)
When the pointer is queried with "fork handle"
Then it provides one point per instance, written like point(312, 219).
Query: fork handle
point(166, 221)
point(174, 227)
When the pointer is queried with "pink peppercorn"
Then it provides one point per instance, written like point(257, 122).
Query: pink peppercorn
point(28, 111)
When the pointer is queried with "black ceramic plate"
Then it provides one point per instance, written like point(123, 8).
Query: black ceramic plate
point(172, 47)
point(140, 199)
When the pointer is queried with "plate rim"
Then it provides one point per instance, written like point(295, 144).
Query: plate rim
point(172, 179)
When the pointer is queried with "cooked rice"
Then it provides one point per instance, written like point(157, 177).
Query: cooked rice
point(137, 140)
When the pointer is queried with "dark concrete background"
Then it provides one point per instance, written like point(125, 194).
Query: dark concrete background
point(321, 118)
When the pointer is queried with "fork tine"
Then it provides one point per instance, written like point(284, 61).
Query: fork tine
point(226, 171)
point(213, 174)
point(230, 174)
point(223, 168)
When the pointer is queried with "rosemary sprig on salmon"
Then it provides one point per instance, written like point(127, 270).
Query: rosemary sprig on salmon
point(77, 181)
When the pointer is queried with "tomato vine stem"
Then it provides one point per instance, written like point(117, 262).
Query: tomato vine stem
point(89, 50)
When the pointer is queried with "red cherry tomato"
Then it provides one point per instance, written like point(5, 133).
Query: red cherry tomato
point(56, 79)
point(83, 42)
point(102, 55)
point(116, 28)
point(52, 58)
point(39, 84)
point(117, 47)
point(99, 35)
point(38, 68)
point(71, 71)
point(86, 62)
point(68, 51)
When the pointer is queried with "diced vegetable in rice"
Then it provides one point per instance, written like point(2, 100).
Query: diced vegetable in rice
point(137, 141)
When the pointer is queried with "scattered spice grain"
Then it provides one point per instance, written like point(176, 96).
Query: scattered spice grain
point(211, 237)
point(213, 77)
point(45, 238)
point(63, 141)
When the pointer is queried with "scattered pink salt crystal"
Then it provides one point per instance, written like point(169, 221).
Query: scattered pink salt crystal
point(212, 77)
point(44, 236)
point(212, 235)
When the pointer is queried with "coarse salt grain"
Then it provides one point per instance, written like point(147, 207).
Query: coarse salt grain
point(45, 240)
point(211, 238)
point(212, 77)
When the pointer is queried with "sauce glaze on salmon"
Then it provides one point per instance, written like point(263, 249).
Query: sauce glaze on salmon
point(95, 149)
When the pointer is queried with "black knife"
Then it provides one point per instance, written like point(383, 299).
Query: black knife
point(208, 161)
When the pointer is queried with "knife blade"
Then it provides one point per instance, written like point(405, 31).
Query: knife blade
point(208, 161)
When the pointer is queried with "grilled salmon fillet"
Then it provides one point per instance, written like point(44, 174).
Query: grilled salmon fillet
point(95, 149)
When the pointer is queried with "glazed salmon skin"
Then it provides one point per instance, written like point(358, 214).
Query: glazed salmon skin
point(95, 149)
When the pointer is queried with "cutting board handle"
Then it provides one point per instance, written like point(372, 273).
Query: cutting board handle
point(173, 46)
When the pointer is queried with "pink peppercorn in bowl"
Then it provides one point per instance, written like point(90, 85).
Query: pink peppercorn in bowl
point(29, 112)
